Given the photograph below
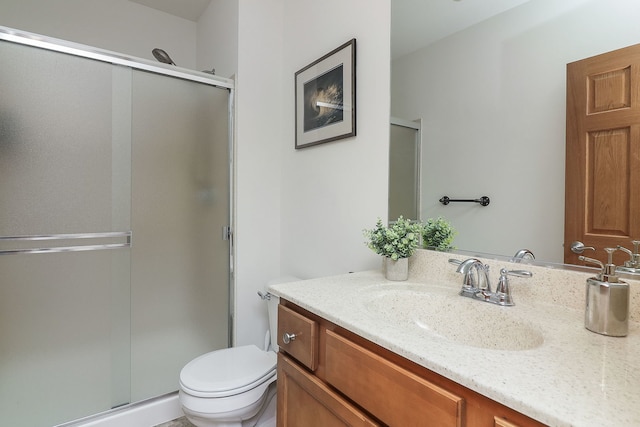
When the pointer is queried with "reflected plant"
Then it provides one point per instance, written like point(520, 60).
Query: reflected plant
point(438, 234)
point(398, 240)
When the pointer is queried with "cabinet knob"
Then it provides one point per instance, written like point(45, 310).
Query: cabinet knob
point(287, 337)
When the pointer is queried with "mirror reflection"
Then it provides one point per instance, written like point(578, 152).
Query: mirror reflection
point(491, 100)
point(404, 169)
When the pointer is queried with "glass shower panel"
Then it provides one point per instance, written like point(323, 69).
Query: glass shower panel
point(180, 263)
point(64, 173)
point(57, 342)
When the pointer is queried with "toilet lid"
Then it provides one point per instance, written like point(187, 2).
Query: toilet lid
point(229, 371)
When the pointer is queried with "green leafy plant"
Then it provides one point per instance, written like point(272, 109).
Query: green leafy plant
point(438, 234)
point(398, 240)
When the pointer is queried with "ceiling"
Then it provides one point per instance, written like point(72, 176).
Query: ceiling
point(187, 9)
point(418, 23)
point(414, 23)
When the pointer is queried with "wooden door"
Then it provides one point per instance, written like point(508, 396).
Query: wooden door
point(602, 177)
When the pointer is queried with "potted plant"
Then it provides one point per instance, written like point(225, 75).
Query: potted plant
point(396, 243)
point(438, 234)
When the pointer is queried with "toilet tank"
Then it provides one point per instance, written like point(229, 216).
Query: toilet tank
point(272, 307)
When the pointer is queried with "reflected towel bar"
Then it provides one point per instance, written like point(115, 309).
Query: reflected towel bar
point(58, 249)
point(484, 200)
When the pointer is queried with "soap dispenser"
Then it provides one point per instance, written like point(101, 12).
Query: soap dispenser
point(607, 310)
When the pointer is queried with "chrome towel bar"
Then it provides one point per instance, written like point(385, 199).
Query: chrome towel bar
point(484, 200)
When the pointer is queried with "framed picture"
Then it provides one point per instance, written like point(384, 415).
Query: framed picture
point(326, 98)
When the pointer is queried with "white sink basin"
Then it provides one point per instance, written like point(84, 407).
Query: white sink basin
point(441, 312)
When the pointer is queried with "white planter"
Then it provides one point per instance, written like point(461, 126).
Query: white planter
point(396, 270)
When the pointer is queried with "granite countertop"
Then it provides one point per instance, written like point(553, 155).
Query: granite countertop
point(561, 374)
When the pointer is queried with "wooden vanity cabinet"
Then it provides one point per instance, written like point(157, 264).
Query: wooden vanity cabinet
point(304, 400)
point(328, 376)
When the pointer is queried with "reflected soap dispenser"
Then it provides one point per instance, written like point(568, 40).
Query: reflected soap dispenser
point(607, 310)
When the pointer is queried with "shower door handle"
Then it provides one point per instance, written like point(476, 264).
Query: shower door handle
point(126, 235)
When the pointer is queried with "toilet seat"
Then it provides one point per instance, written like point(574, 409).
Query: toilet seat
point(228, 372)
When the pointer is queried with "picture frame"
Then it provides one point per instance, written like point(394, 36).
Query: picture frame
point(325, 98)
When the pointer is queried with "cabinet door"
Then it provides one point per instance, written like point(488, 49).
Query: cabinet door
point(303, 400)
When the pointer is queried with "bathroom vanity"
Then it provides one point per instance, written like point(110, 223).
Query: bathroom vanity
point(359, 350)
point(347, 377)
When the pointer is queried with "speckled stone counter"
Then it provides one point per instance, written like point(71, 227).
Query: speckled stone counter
point(568, 376)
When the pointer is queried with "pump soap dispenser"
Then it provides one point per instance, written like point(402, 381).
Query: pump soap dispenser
point(607, 310)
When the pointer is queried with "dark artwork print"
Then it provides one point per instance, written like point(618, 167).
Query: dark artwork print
point(323, 100)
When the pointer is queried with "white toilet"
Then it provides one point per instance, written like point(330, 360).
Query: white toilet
point(234, 387)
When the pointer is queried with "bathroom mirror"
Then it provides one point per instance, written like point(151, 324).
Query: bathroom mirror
point(491, 99)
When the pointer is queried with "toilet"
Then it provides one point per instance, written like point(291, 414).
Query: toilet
point(234, 387)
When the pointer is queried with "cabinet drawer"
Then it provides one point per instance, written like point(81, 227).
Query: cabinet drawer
point(304, 400)
point(501, 422)
point(390, 393)
point(304, 344)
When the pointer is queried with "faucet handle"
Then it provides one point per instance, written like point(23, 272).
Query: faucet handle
point(519, 273)
point(503, 291)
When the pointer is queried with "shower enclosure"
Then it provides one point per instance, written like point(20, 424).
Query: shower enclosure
point(114, 194)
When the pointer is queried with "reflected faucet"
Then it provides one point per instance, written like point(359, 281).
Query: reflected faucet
point(632, 266)
point(523, 254)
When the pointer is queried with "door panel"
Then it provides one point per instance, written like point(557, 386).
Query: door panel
point(603, 153)
point(64, 186)
point(180, 203)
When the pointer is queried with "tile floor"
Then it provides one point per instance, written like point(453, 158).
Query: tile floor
point(179, 422)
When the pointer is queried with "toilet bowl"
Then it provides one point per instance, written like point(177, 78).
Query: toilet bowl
point(227, 387)
point(234, 387)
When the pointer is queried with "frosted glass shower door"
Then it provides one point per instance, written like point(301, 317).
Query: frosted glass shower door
point(180, 204)
point(114, 193)
point(64, 186)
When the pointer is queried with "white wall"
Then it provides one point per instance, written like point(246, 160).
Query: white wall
point(302, 212)
point(116, 25)
point(297, 212)
point(492, 100)
point(258, 133)
point(217, 38)
point(332, 191)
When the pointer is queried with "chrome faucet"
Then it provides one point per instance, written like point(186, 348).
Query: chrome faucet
point(476, 283)
point(476, 277)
